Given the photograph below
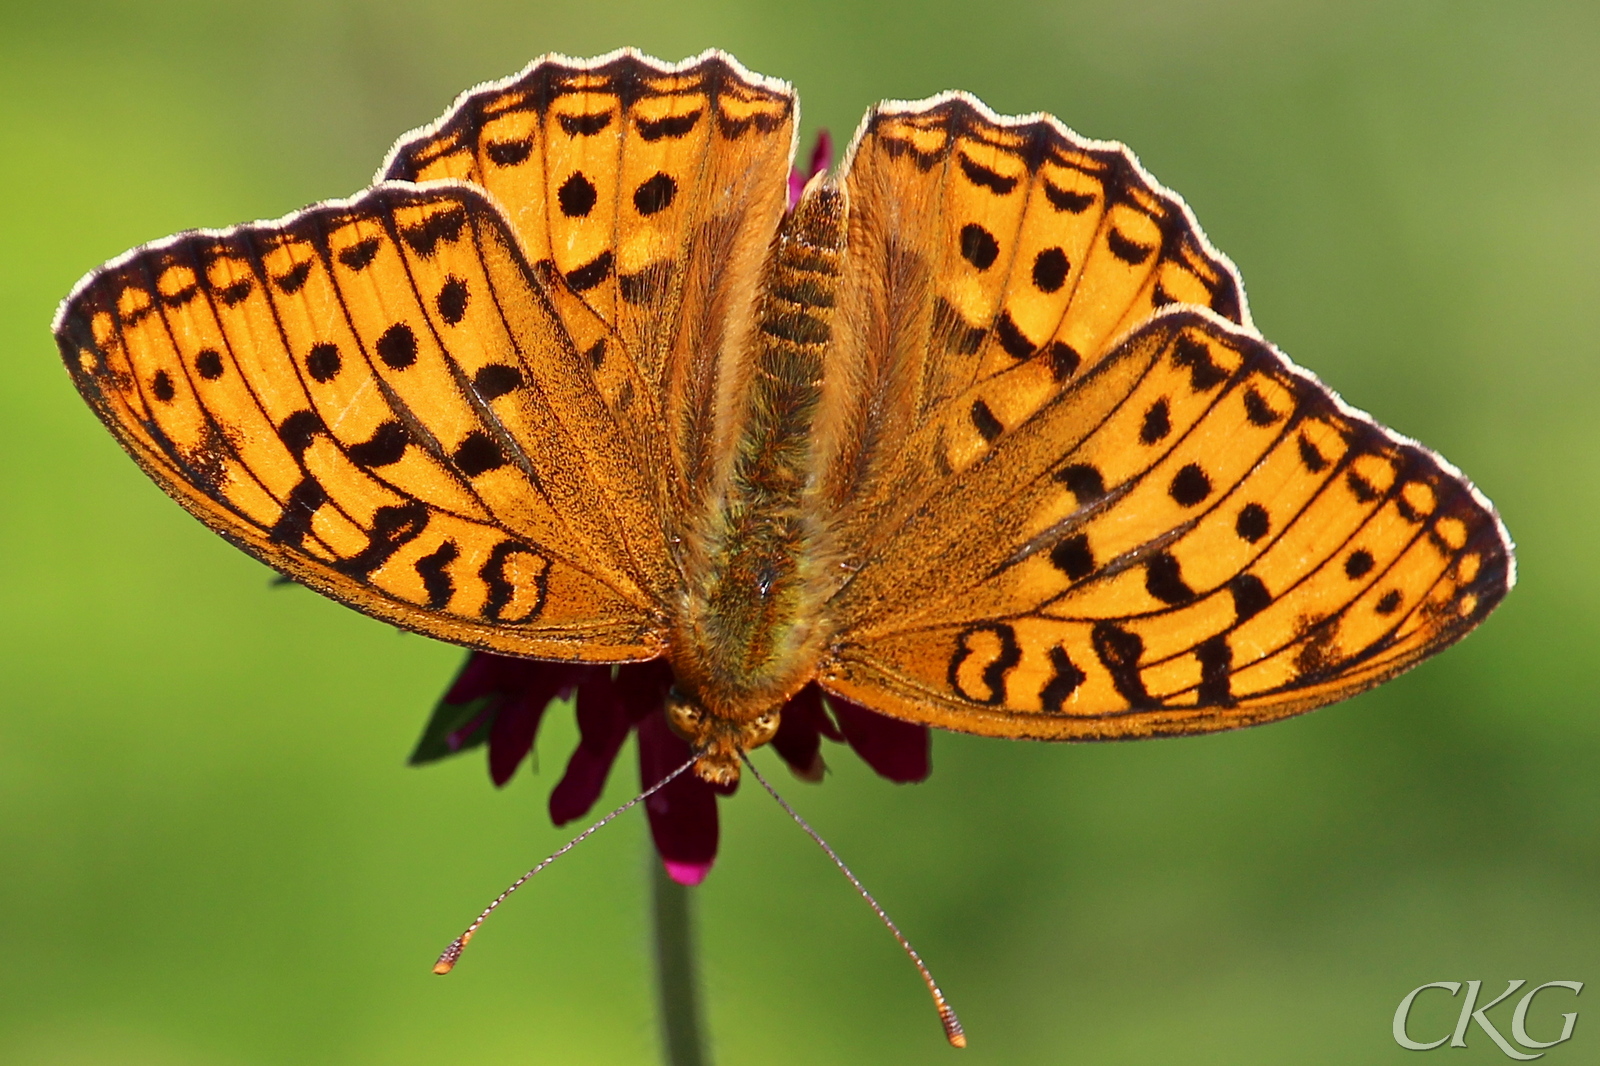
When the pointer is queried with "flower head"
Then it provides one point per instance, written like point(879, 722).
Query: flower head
point(499, 702)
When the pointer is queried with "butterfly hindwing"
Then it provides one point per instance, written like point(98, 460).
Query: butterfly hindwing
point(1194, 536)
point(378, 398)
point(653, 190)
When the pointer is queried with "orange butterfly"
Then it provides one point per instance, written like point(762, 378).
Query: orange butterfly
point(978, 435)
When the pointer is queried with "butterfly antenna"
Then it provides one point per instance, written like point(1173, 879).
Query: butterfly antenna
point(947, 1015)
point(447, 960)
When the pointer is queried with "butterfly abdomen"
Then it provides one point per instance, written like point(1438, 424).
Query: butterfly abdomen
point(750, 616)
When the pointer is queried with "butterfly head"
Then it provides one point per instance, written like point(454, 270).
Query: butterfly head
point(718, 739)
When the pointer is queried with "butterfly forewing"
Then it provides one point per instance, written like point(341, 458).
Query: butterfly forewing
point(1195, 536)
point(653, 190)
point(993, 262)
point(378, 398)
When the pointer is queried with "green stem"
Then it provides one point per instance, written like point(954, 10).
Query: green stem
point(677, 976)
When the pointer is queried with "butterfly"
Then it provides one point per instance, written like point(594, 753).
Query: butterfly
point(977, 435)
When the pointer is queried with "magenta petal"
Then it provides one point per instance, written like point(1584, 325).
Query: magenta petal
point(584, 780)
point(487, 675)
point(603, 726)
point(526, 695)
point(511, 738)
point(798, 740)
point(821, 160)
point(687, 873)
point(683, 814)
point(900, 751)
point(643, 688)
point(821, 154)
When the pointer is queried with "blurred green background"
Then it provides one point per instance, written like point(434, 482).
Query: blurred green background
point(211, 851)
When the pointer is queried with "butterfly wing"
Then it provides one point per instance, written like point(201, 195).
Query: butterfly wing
point(1196, 536)
point(1075, 495)
point(379, 398)
point(654, 190)
point(985, 250)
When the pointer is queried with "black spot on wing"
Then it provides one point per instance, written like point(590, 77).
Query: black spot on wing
point(1250, 596)
point(1126, 249)
point(443, 226)
point(235, 292)
point(478, 454)
point(1310, 457)
point(397, 347)
point(291, 282)
point(209, 364)
point(452, 300)
point(1189, 485)
point(1258, 410)
point(585, 125)
point(501, 591)
point(298, 430)
point(1012, 339)
point(1163, 579)
point(671, 127)
point(1064, 360)
point(655, 194)
point(984, 178)
point(496, 380)
point(436, 580)
point(294, 521)
point(360, 255)
point(161, 385)
point(1119, 652)
point(1083, 481)
point(1362, 489)
point(983, 420)
point(181, 297)
point(978, 246)
point(323, 362)
point(1358, 564)
point(1195, 356)
point(1216, 664)
point(393, 527)
point(1073, 557)
point(993, 675)
point(1157, 422)
point(1389, 603)
point(1050, 269)
point(591, 273)
point(1253, 522)
point(577, 196)
point(1064, 680)
point(386, 446)
point(1067, 200)
point(508, 153)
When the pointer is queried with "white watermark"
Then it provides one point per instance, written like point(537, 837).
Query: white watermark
point(1471, 1012)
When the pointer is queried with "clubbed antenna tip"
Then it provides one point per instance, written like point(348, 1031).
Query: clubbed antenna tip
point(447, 960)
point(947, 1014)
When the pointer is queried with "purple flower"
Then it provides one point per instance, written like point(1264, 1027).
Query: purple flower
point(500, 701)
point(821, 160)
